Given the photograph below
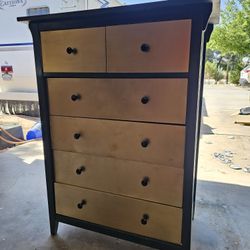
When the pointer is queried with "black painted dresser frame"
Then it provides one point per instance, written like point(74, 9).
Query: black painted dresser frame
point(197, 10)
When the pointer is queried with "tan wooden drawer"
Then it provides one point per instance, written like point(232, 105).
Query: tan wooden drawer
point(168, 41)
point(141, 180)
point(156, 100)
point(162, 144)
point(90, 46)
point(163, 223)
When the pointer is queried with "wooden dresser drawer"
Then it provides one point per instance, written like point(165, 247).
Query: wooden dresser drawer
point(149, 47)
point(136, 179)
point(141, 217)
point(154, 143)
point(156, 100)
point(58, 52)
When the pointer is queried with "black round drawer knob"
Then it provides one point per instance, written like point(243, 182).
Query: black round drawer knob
point(145, 143)
point(145, 47)
point(77, 136)
point(81, 204)
point(70, 50)
point(144, 219)
point(80, 170)
point(75, 97)
point(145, 99)
point(145, 181)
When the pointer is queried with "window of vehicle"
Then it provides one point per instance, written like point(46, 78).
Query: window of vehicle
point(38, 11)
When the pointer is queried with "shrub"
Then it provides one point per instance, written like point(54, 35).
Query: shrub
point(218, 75)
point(212, 72)
point(234, 76)
point(209, 70)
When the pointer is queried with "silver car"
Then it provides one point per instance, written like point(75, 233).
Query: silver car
point(245, 76)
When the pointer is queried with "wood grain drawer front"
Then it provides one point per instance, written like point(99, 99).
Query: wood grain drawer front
point(149, 47)
point(154, 143)
point(152, 182)
point(128, 214)
point(76, 50)
point(156, 100)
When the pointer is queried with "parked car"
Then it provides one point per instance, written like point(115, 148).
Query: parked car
point(245, 76)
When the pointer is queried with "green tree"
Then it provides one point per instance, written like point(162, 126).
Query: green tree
point(231, 38)
point(232, 35)
point(209, 55)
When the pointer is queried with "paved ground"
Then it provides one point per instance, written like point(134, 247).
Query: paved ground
point(222, 211)
point(222, 207)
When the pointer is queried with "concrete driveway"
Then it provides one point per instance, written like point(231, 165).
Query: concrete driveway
point(222, 206)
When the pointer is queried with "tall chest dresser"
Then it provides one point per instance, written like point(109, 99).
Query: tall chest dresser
point(119, 100)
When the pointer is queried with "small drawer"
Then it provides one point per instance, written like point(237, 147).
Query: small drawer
point(140, 180)
point(153, 143)
point(155, 100)
point(76, 50)
point(149, 47)
point(136, 216)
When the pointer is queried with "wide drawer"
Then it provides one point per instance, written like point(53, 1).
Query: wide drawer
point(156, 100)
point(149, 47)
point(141, 217)
point(76, 50)
point(154, 143)
point(152, 182)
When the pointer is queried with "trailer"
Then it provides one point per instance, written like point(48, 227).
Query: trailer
point(18, 90)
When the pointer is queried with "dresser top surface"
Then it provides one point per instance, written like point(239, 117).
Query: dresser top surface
point(170, 9)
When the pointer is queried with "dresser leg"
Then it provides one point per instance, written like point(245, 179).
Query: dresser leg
point(53, 227)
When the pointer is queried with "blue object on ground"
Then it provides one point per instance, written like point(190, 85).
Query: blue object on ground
point(35, 132)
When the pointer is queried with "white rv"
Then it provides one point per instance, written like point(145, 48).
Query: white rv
point(18, 92)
